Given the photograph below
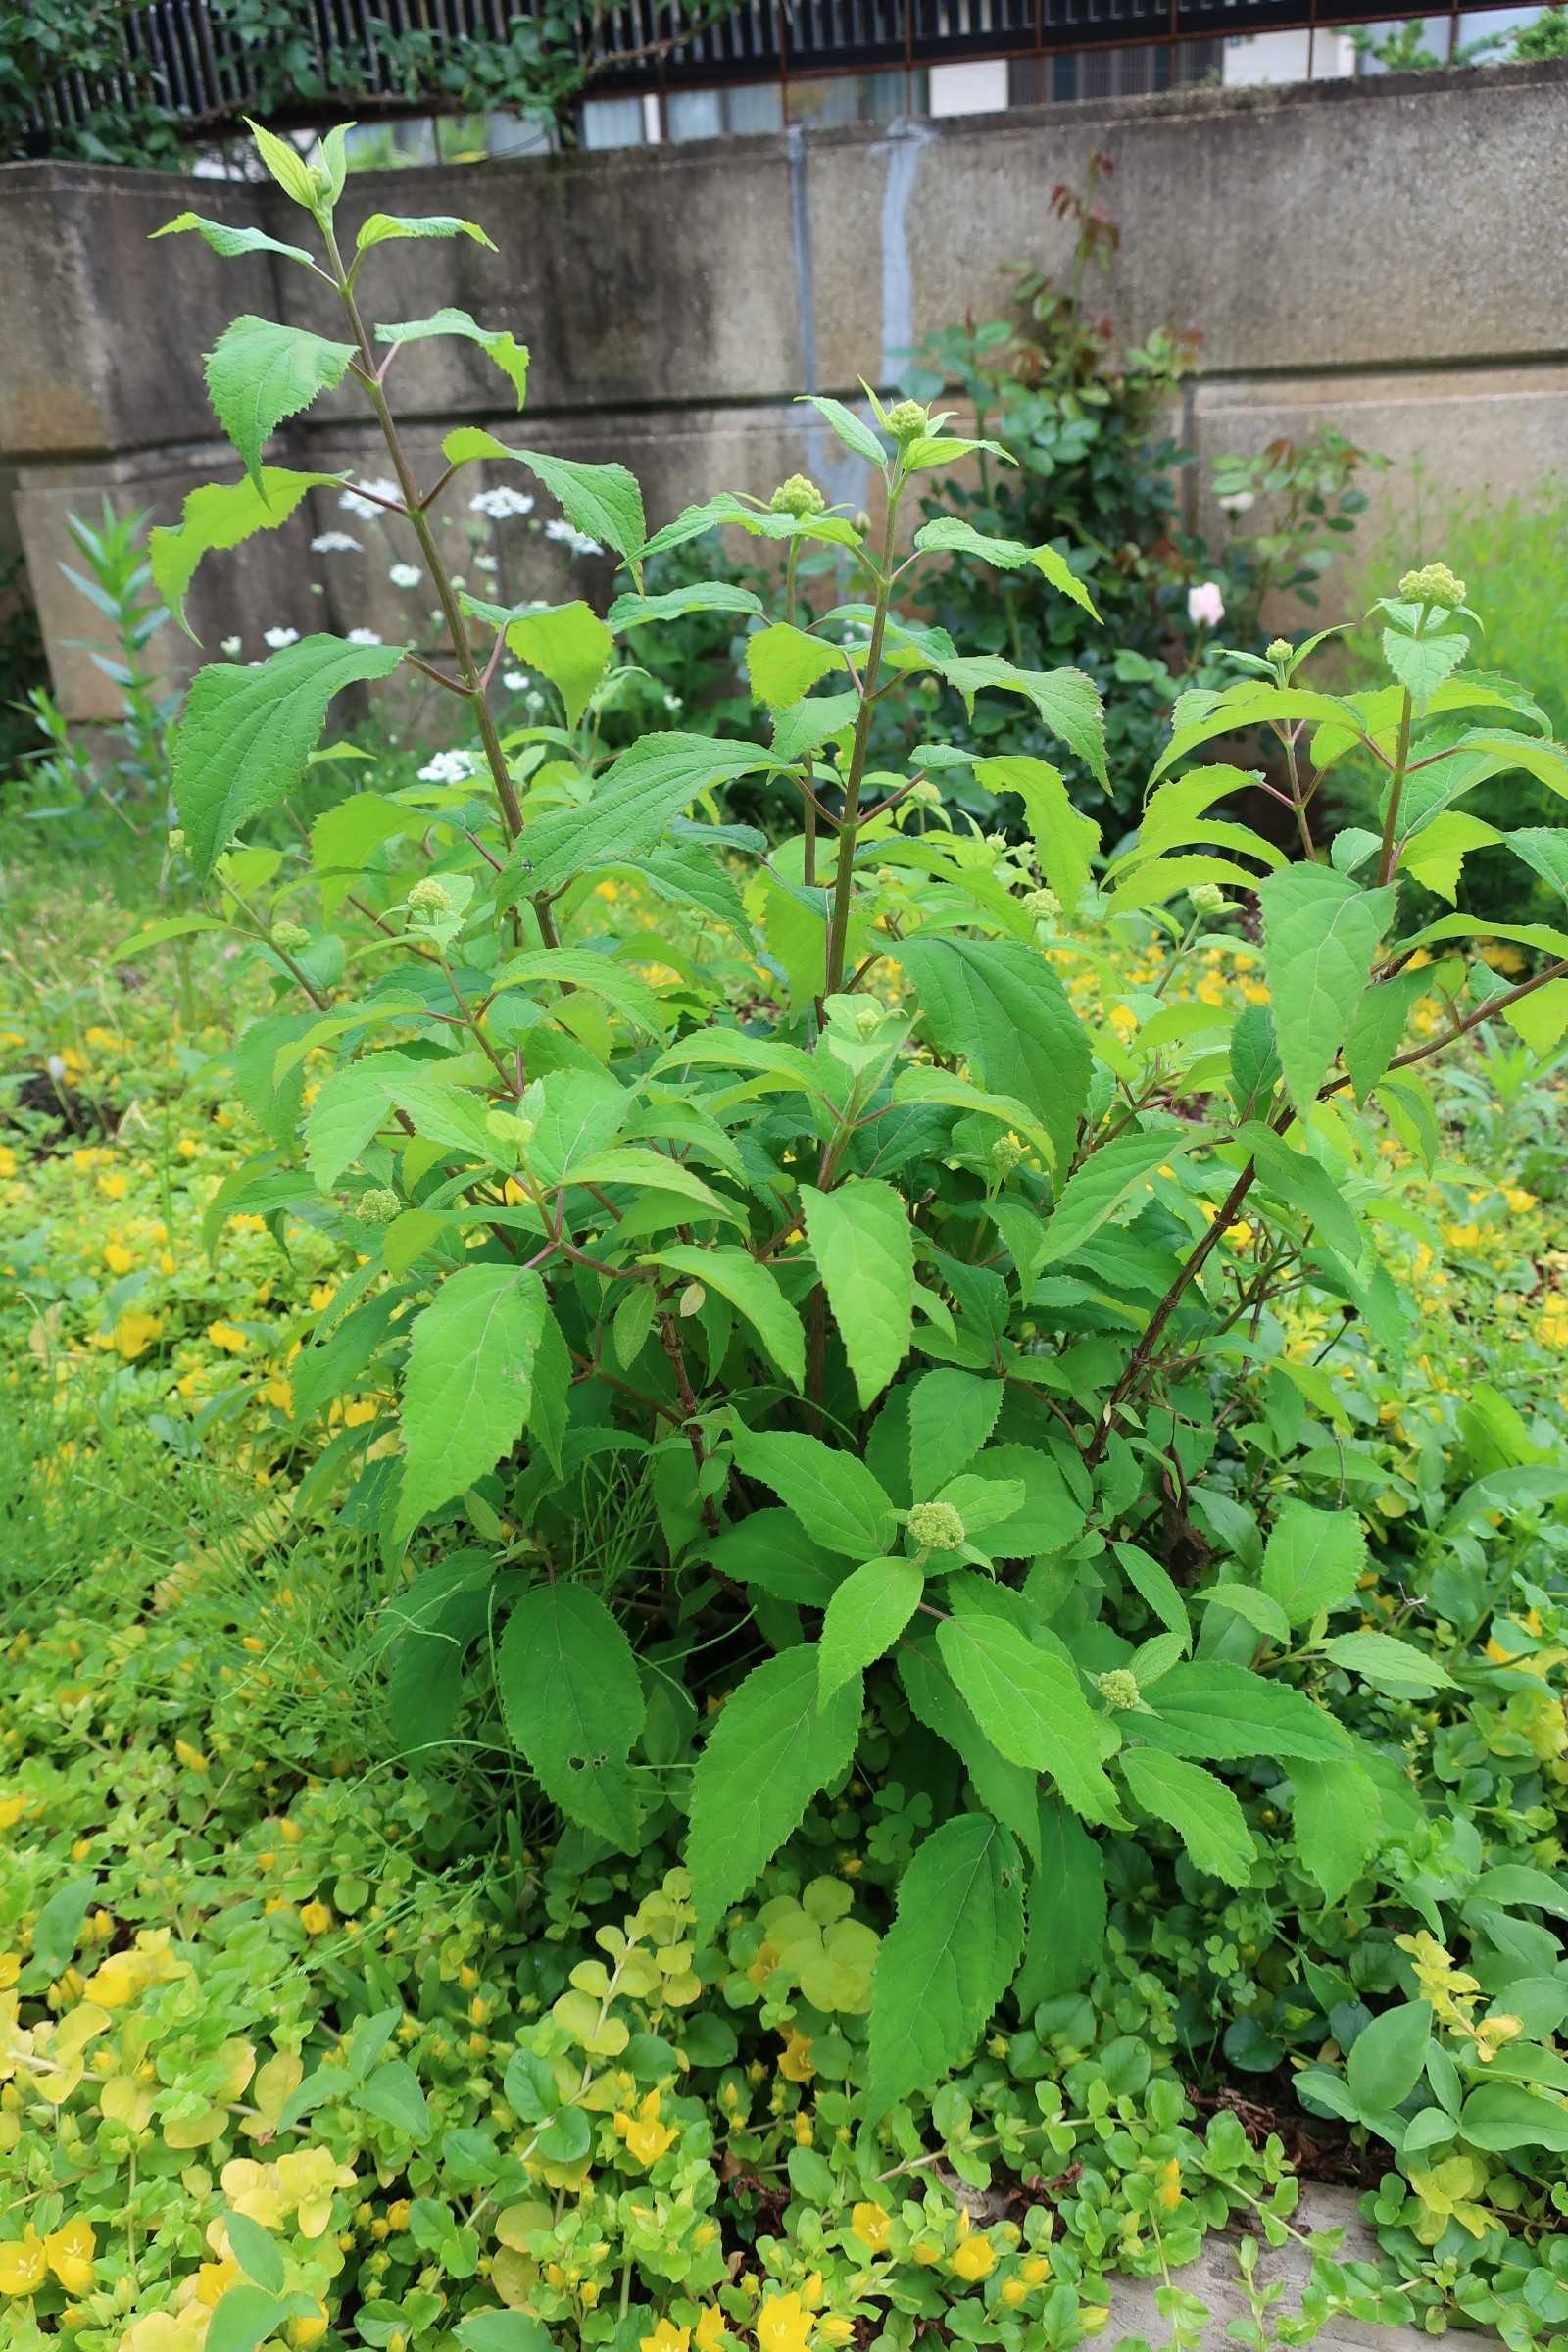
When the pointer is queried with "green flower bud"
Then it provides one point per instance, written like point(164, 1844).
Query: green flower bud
point(936, 1527)
point(1119, 1690)
point(290, 937)
point(176, 839)
point(1278, 649)
point(430, 898)
point(1007, 1154)
point(1433, 584)
point(907, 420)
point(1042, 904)
point(378, 1205)
point(1207, 898)
point(799, 496)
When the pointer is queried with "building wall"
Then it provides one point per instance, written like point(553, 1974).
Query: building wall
point(1390, 255)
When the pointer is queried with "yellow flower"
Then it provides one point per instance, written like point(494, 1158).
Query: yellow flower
point(1170, 2185)
point(1036, 2270)
point(118, 1258)
point(191, 1757)
point(974, 2259)
point(112, 1186)
point(224, 1336)
point(1552, 1330)
point(646, 2138)
point(135, 1332)
point(836, 2331)
point(71, 2250)
point(307, 2328)
point(12, 1808)
point(1462, 1237)
point(23, 2264)
point(314, 1918)
point(783, 2325)
point(665, 2337)
point(1014, 2292)
point(874, 2226)
point(796, 2064)
point(1240, 1234)
point(710, 2335)
point(1518, 1200)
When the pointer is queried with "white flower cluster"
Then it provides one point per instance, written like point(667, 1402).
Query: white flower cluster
point(561, 531)
point(278, 637)
point(405, 575)
point(446, 767)
point(501, 503)
point(365, 637)
point(380, 489)
point(335, 543)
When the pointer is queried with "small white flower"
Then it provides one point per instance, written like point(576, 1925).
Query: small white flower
point(354, 502)
point(336, 543)
point(1238, 502)
point(485, 563)
point(516, 681)
point(565, 536)
point(1205, 607)
point(366, 637)
point(501, 503)
point(446, 767)
point(56, 1067)
point(231, 646)
point(673, 703)
point(405, 575)
point(536, 701)
point(278, 637)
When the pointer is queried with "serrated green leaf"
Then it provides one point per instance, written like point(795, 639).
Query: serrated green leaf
point(630, 813)
point(381, 228)
point(468, 1385)
point(1028, 1703)
point(1320, 933)
point(245, 740)
point(1200, 1808)
point(260, 372)
point(1111, 1184)
point(230, 242)
point(570, 646)
point(574, 1703)
point(952, 1414)
point(1313, 1561)
point(1066, 702)
point(833, 1495)
point(1001, 1007)
point(865, 1617)
point(497, 346)
point(1304, 1184)
point(603, 501)
point(753, 1290)
point(851, 429)
point(1067, 1909)
point(863, 1245)
point(634, 611)
point(1010, 1791)
point(784, 663)
point(1065, 839)
point(1389, 1664)
point(1211, 1711)
point(947, 1958)
point(950, 532)
point(772, 1749)
point(1339, 1822)
point(1422, 663)
point(220, 514)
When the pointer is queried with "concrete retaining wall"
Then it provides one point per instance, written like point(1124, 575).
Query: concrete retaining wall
point(1389, 254)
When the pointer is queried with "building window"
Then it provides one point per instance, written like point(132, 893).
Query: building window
point(743, 111)
point(1137, 71)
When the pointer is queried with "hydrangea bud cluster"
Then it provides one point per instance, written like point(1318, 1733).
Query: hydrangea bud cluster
point(936, 1527)
point(431, 899)
point(378, 1205)
point(1433, 584)
point(799, 496)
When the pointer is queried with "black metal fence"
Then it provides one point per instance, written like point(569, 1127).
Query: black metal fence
point(200, 71)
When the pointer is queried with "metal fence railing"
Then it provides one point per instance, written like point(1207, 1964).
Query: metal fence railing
point(201, 70)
